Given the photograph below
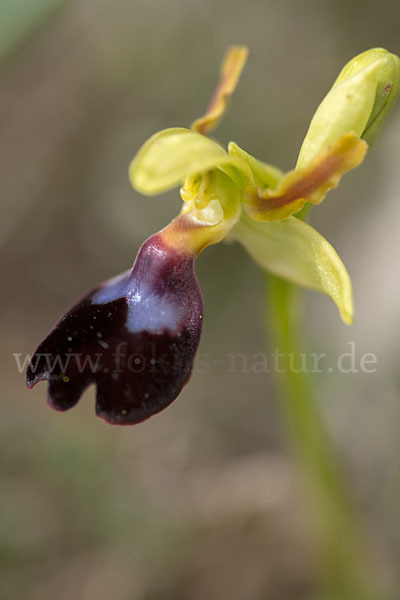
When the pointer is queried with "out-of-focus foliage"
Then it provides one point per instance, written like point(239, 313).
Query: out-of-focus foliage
point(18, 19)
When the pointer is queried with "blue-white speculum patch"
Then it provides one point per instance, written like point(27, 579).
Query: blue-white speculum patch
point(149, 307)
point(146, 310)
point(134, 336)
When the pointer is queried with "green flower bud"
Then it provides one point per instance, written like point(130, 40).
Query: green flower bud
point(358, 102)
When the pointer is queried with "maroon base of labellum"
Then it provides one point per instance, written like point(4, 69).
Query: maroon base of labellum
point(135, 337)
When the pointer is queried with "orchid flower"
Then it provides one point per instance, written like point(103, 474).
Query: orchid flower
point(136, 335)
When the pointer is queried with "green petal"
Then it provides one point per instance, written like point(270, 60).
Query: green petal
point(232, 67)
point(172, 154)
point(263, 175)
point(295, 251)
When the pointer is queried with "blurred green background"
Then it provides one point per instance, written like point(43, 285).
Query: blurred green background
point(204, 500)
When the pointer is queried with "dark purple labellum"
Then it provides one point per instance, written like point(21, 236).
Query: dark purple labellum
point(135, 336)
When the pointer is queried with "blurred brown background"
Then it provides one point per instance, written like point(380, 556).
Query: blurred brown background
point(204, 500)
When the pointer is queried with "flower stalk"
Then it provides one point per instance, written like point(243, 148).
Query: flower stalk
point(343, 559)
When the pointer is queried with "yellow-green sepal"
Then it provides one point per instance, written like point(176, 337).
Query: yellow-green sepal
point(171, 155)
point(358, 101)
point(347, 107)
point(309, 184)
point(295, 251)
point(387, 90)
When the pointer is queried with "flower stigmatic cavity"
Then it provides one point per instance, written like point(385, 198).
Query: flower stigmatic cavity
point(135, 336)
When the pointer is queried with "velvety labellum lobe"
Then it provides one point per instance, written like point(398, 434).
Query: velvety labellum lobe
point(135, 336)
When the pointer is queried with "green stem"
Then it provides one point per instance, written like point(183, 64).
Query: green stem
point(341, 550)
